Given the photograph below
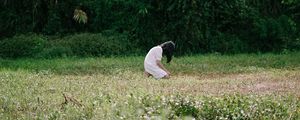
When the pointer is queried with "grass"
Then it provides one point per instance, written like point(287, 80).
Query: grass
point(242, 63)
point(245, 86)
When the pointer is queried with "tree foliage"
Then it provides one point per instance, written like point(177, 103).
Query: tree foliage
point(197, 26)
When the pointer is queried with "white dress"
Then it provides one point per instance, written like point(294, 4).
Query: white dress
point(150, 64)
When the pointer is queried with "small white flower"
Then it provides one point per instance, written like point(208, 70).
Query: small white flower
point(242, 111)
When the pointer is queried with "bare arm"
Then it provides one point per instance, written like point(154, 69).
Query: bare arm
point(162, 66)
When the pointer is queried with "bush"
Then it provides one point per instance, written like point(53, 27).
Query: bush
point(273, 34)
point(226, 43)
point(108, 43)
point(95, 44)
point(55, 51)
point(22, 46)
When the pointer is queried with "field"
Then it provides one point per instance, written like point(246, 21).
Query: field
point(244, 86)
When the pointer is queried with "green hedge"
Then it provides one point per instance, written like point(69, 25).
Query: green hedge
point(22, 46)
point(95, 44)
point(86, 44)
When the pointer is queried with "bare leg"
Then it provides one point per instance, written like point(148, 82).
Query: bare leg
point(147, 74)
point(166, 76)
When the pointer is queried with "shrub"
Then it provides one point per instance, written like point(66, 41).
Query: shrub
point(96, 44)
point(226, 43)
point(273, 34)
point(108, 43)
point(22, 46)
point(55, 51)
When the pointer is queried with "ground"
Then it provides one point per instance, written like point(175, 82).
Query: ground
point(205, 87)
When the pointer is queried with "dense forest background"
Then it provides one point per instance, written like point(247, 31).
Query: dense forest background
point(55, 28)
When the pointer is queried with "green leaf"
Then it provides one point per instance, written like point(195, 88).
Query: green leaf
point(80, 16)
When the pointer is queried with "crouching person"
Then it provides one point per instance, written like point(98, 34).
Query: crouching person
point(152, 63)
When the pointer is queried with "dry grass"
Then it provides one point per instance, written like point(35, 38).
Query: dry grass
point(268, 82)
point(126, 82)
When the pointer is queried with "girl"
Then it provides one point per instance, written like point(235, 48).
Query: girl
point(152, 64)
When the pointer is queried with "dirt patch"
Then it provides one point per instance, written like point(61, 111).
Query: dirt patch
point(269, 82)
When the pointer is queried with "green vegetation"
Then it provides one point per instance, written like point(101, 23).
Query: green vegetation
point(210, 63)
point(35, 46)
point(197, 26)
point(83, 59)
point(213, 86)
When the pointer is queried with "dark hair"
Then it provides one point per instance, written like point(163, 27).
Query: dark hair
point(168, 49)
